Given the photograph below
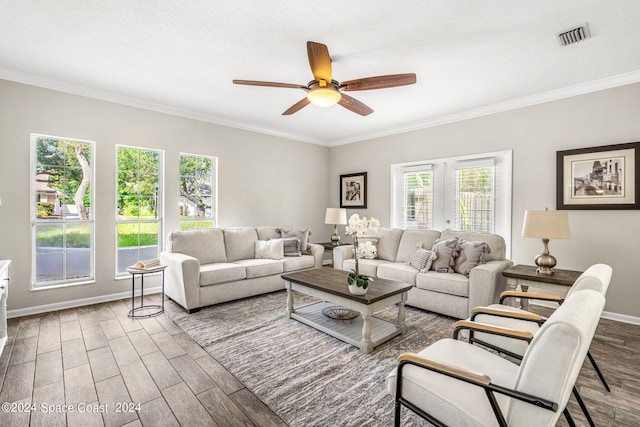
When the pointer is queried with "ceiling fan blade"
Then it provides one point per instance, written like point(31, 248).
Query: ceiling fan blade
point(297, 106)
point(320, 61)
point(379, 82)
point(354, 105)
point(270, 84)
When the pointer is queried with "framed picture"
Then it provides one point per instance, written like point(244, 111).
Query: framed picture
point(353, 190)
point(598, 177)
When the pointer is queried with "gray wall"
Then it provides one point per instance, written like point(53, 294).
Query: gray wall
point(302, 179)
point(295, 174)
point(534, 134)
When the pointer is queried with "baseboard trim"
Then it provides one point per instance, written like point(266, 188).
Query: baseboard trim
point(77, 303)
point(623, 318)
point(633, 320)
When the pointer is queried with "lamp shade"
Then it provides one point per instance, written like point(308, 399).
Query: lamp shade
point(335, 216)
point(546, 224)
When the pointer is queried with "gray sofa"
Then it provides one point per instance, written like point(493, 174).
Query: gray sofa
point(215, 265)
point(451, 294)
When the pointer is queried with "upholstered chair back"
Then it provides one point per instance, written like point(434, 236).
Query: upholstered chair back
point(596, 277)
point(553, 360)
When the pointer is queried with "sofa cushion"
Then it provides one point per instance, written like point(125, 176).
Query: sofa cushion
point(206, 245)
point(446, 251)
point(298, 263)
point(260, 267)
point(446, 283)
point(266, 232)
point(471, 254)
point(220, 272)
point(400, 271)
point(291, 246)
point(388, 241)
point(239, 243)
point(368, 267)
point(269, 249)
point(303, 235)
point(495, 242)
point(422, 259)
point(411, 238)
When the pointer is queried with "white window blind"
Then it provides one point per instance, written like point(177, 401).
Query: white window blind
point(417, 197)
point(475, 194)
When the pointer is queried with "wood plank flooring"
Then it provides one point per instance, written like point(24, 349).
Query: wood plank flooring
point(97, 359)
point(116, 371)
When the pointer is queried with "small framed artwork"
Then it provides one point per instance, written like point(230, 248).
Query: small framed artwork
point(599, 177)
point(353, 190)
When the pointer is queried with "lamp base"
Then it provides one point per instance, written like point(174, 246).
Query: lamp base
point(545, 261)
point(335, 238)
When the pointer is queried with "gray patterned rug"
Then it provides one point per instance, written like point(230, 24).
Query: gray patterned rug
point(304, 375)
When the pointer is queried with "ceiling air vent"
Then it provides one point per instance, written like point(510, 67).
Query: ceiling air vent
point(574, 35)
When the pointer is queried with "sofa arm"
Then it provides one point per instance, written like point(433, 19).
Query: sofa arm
point(318, 253)
point(340, 253)
point(486, 282)
point(182, 279)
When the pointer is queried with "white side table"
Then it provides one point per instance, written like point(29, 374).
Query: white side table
point(158, 307)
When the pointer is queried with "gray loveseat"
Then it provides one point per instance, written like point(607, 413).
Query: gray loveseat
point(448, 293)
point(215, 265)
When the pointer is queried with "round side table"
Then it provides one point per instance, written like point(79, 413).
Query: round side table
point(134, 310)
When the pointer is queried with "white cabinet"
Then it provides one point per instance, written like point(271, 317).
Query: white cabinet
point(4, 291)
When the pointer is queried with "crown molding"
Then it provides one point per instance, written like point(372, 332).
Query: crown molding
point(554, 95)
point(46, 83)
point(541, 98)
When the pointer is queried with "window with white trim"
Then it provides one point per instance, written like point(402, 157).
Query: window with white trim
point(470, 193)
point(62, 201)
point(198, 191)
point(138, 205)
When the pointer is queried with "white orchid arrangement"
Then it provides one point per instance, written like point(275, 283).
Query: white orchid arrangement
point(357, 228)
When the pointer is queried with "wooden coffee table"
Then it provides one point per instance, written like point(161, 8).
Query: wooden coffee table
point(330, 285)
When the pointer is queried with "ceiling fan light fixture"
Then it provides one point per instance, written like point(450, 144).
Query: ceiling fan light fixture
point(324, 96)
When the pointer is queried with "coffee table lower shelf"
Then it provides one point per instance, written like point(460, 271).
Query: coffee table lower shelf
point(349, 331)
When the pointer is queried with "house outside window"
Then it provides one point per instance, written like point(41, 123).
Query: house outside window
point(138, 206)
point(198, 191)
point(62, 211)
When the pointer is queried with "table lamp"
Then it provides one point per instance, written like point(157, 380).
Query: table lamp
point(335, 216)
point(546, 225)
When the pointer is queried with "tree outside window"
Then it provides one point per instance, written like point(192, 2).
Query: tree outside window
point(197, 192)
point(62, 211)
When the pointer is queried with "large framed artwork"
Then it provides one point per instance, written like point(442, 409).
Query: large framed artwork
point(353, 190)
point(599, 177)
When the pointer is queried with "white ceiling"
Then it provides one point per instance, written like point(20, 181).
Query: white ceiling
point(471, 57)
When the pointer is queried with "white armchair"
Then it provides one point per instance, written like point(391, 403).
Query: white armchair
point(456, 383)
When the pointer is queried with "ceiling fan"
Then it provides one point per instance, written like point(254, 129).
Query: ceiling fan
point(323, 91)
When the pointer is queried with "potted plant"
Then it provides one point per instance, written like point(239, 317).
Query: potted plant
point(357, 227)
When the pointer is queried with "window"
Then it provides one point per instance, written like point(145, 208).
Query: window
point(471, 193)
point(198, 192)
point(62, 211)
point(417, 197)
point(139, 206)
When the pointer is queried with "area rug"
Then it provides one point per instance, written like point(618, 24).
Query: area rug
point(305, 376)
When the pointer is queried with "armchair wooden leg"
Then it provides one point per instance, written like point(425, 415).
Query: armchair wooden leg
point(597, 369)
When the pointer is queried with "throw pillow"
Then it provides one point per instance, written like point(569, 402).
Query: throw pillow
point(303, 235)
point(446, 252)
point(269, 249)
point(292, 246)
point(471, 254)
point(422, 259)
point(367, 249)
